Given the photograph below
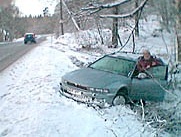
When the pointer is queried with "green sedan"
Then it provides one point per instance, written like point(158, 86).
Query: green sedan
point(114, 80)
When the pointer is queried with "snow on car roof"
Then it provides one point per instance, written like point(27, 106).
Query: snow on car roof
point(29, 33)
point(127, 55)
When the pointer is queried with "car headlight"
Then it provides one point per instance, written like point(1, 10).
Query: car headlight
point(64, 81)
point(99, 90)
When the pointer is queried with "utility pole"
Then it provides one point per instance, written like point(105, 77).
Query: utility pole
point(61, 18)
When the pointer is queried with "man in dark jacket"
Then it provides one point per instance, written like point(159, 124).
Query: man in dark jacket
point(147, 61)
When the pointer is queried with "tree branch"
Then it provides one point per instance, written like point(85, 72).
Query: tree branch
point(108, 5)
point(128, 14)
point(73, 20)
point(97, 7)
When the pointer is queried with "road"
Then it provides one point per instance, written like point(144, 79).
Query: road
point(11, 51)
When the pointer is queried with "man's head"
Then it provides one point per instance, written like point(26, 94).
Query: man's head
point(146, 54)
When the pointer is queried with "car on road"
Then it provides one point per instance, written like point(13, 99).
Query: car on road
point(29, 38)
point(113, 80)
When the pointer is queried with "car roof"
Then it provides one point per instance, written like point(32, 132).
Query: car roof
point(126, 55)
point(29, 33)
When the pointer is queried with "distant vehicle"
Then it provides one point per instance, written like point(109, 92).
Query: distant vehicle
point(113, 80)
point(29, 38)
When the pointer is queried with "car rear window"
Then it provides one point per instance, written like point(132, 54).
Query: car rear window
point(29, 35)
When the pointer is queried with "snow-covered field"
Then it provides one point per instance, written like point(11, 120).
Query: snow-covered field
point(31, 106)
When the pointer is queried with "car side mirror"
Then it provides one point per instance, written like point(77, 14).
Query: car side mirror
point(87, 64)
point(130, 73)
point(142, 75)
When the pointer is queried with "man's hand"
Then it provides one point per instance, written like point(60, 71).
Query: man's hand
point(147, 67)
point(153, 63)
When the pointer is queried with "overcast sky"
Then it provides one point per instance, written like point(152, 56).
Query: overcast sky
point(34, 7)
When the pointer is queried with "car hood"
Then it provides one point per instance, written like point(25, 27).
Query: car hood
point(89, 77)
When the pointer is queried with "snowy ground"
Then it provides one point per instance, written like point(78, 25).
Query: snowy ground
point(31, 106)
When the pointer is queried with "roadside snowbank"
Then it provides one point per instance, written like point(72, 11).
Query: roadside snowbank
point(31, 104)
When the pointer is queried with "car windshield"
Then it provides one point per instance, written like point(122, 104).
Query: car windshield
point(114, 65)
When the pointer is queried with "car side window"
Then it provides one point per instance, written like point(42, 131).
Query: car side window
point(159, 72)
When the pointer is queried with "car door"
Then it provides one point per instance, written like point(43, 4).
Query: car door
point(151, 87)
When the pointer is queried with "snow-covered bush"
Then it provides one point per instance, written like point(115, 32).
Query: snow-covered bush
point(93, 38)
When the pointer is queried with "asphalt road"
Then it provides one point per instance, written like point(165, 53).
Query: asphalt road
point(10, 52)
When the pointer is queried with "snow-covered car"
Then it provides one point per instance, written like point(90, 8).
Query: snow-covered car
point(29, 37)
point(113, 80)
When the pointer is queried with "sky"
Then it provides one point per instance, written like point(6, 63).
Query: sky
point(34, 7)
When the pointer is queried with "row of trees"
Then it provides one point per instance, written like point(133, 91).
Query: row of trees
point(73, 15)
point(13, 26)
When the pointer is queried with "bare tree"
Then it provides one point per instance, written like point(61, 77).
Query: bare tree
point(115, 16)
point(115, 28)
point(136, 20)
point(7, 21)
point(166, 10)
point(3, 4)
point(178, 28)
point(61, 17)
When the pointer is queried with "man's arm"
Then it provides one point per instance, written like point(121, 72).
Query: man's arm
point(157, 61)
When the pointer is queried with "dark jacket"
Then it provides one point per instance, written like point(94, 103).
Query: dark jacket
point(145, 64)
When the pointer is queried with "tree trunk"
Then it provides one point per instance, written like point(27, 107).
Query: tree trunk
point(136, 19)
point(178, 29)
point(115, 29)
point(1, 36)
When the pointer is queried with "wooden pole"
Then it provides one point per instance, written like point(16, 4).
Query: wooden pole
point(61, 18)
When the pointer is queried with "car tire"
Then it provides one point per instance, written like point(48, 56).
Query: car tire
point(120, 98)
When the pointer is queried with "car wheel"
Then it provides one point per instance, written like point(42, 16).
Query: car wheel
point(120, 98)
